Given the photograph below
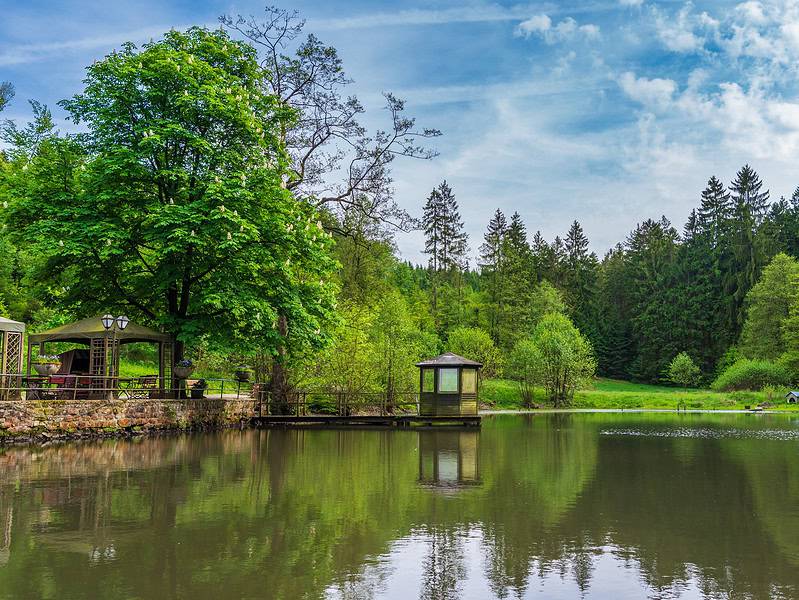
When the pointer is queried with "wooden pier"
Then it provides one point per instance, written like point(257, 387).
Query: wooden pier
point(399, 421)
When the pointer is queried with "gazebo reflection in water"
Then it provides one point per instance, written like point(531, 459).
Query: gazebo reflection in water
point(449, 458)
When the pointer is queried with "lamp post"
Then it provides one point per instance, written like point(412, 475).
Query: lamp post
point(113, 324)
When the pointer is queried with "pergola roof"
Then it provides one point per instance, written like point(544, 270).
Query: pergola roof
point(9, 325)
point(82, 332)
point(448, 359)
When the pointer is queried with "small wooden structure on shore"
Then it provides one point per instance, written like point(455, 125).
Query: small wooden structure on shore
point(448, 386)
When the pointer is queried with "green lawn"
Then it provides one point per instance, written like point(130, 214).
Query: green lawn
point(616, 394)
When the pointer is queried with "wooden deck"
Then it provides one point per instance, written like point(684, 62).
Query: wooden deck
point(368, 420)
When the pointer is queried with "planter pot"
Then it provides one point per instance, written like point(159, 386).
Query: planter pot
point(197, 394)
point(243, 376)
point(46, 368)
point(182, 372)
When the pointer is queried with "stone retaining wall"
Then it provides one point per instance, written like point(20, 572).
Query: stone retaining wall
point(51, 418)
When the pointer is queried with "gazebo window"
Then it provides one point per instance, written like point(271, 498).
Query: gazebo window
point(428, 380)
point(469, 381)
point(448, 381)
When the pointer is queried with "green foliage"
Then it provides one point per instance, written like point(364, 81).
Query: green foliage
point(524, 367)
point(746, 374)
point(683, 370)
point(769, 303)
point(790, 362)
point(545, 299)
point(564, 358)
point(6, 93)
point(172, 205)
point(475, 344)
point(399, 345)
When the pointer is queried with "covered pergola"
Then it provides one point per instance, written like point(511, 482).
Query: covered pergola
point(104, 342)
point(11, 334)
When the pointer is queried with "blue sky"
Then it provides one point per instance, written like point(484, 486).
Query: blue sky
point(609, 112)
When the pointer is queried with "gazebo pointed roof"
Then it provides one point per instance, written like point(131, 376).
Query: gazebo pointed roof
point(85, 330)
point(448, 359)
point(9, 325)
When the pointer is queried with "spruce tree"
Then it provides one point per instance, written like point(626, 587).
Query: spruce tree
point(446, 245)
point(519, 281)
point(750, 205)
point(542, 258)
point(580, 279)
point(651, 252)
point(492, 272)
point(615, 345)
point(433, 217)
point(454, 240)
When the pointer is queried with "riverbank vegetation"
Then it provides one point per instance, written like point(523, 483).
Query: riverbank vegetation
point(222, 189)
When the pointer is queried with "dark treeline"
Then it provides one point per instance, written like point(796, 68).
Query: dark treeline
point(659, 292)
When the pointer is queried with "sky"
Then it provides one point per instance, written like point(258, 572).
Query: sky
point(604, 111)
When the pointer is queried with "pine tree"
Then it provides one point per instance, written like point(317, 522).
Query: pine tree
point(651, 252)
point(750, 205)
point(454, 246)
point(615, 345)
point(446, 244)
point(433, 217)
point(492, 271)
point(519, 281)
point(541, 258)
point(714, 212)
point(580, 279)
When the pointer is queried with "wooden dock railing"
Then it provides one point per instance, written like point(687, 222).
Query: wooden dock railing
point(69, 388)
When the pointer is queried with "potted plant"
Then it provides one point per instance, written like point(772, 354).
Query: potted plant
point(198, 389)
point(46, 365)
point(183, 369)
point(243, 373)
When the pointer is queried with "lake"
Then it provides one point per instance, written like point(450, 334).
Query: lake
point(601, 505)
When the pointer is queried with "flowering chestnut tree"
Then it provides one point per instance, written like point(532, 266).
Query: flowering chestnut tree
point(172, 204)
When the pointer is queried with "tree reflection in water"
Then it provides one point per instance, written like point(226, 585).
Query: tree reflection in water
point(552, 505)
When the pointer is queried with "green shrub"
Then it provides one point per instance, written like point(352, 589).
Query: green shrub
point(683, 370)
point(748, 374)
point(790, 362)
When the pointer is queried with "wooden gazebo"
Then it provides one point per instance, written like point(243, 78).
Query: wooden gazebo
point(11, 334)
point(103, 358)
point(448, 386)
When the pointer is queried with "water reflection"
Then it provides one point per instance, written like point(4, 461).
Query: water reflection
point(548, 505)
point(449, 459)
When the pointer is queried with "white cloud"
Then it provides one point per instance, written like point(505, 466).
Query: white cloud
point(631, 2)
point(652, 93)
point(541, 25)
point(683, 32)
point(26, 53)
point(469, 14)
point(535, 24)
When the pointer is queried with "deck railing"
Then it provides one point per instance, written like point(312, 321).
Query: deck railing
point(19, 387)
point(333, 402)
point(69, 388)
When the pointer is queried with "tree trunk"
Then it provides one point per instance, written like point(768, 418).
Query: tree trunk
point(279, 383)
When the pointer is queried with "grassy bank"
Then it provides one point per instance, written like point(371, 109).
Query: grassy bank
point(615, 394)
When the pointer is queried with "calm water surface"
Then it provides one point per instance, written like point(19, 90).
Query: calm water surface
point(544, 506)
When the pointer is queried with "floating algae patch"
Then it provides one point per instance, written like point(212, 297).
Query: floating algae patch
point(707, 433)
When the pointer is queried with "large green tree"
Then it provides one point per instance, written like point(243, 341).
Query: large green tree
point(172, 204)
point(563, 357)
point(768, 305)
